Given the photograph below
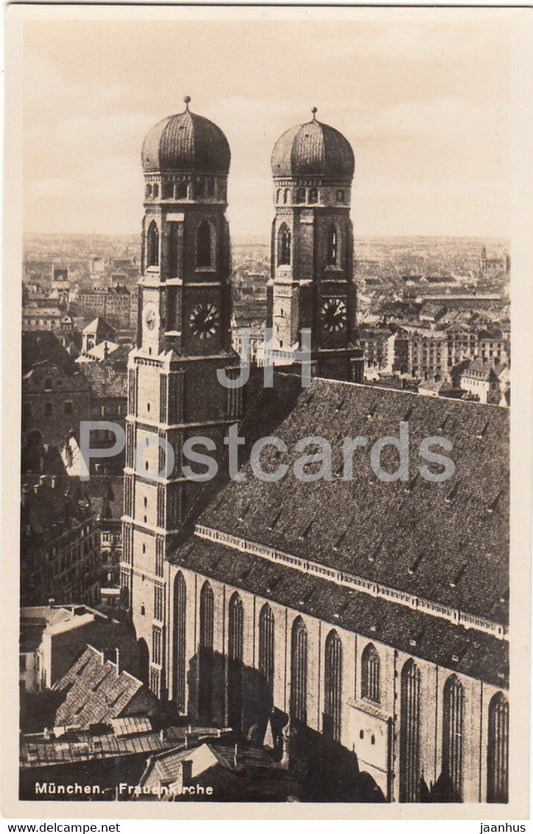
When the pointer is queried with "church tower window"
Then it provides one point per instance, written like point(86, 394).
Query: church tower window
point(235, 650)
point(152, 252)
point(203, 244)
point(333, 246)
point(313, 195)
point(410, 733)
point(181, 190)
point(180, 619)
point(205, 689)
point(266, 645)
point(284, 245)
point(370, 672)
point(333, 687)
point(300, 195)
point(452, 735)
point(498, 750)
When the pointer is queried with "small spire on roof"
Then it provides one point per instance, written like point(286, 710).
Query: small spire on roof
point(313, 111)
point(187, 100)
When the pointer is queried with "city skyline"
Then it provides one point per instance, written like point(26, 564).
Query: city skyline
point(428, 122)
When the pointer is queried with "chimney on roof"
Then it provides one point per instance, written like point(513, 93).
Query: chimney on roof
point(117, 662)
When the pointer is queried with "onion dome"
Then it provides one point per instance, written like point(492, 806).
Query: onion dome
point(313, 149)
point(186, 142)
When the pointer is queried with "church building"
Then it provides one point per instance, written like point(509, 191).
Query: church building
point(365, 613)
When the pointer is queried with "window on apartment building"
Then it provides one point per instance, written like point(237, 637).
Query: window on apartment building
point(68, 407)
point(48, 409)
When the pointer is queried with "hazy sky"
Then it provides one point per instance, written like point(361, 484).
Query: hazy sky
point(424, 105)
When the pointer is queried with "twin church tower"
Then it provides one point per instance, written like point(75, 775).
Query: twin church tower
point(184, 334)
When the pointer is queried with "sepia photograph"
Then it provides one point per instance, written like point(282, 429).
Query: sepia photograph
point(263, 301)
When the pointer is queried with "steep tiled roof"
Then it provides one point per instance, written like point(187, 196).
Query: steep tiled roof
point(473, 653)
point(42, 346)
point(446, 542)
point(95, 692)
point(106, 381)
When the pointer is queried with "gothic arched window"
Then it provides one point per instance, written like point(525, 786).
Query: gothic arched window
point(333, 246)
point(313, 195)
point(300, 195)
point(410, 733)
point(203, 245)
point(152, 245)
point(498, 750)
point(266, 645)
point(333, 687)
point(298, 700)
point(452, 735)
point(284, 245)
point(235, 651)
point(205, 650)
point(287, 195)
point(180, 619)
point(370, 668)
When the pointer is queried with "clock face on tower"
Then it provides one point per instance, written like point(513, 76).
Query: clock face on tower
point(204, 320)
point(333, 315)
point(150, 316)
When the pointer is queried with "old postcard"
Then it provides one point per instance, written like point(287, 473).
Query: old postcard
point(266, 538)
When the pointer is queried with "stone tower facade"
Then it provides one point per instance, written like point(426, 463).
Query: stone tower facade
point(311, 284)
point(183, 338)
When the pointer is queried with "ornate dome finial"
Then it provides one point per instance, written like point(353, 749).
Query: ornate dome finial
point(187, 100)
point(314, 111)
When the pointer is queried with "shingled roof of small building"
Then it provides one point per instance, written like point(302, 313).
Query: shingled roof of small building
point(446, 542)
point(95, 690)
